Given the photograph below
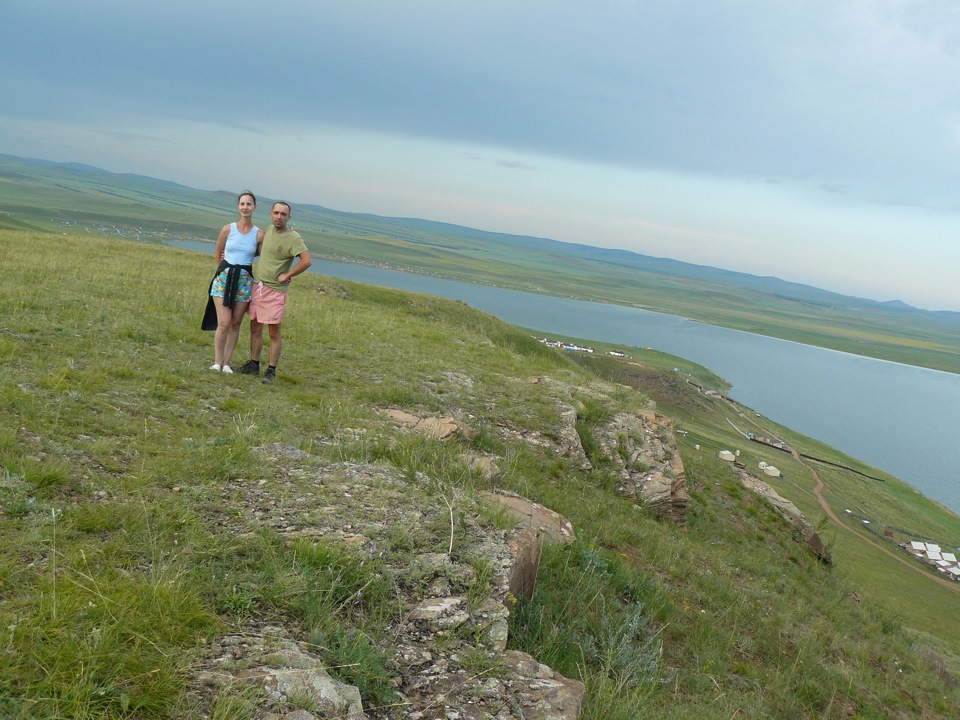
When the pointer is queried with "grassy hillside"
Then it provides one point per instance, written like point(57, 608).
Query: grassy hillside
point(140, 502)
point(38, 195)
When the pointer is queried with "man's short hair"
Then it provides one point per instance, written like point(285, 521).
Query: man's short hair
point(282, 202)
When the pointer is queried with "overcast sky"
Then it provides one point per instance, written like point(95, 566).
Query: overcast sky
point(814, 140)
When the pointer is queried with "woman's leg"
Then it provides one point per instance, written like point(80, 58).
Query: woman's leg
point(236, 320)
point(223, 331)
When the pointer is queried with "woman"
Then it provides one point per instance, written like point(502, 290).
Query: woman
point(232, 286)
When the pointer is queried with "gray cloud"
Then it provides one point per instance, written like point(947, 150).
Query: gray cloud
point(791, 91)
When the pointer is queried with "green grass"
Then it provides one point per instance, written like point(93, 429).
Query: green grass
point(133, 535)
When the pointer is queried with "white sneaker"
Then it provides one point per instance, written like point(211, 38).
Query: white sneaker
point(215, 367)
point(227, 369)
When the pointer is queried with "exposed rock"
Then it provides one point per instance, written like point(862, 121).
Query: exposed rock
point(549, 695)
point(492, 617)
point(788, 511)
point(550, 525)
point(447, 627)
point(486, 467)
point(442, 428)
point(335, 289)
point(643, 447)
point(444, 613)
point(300, 715)
point(537, 524)
point(569, 439)
point(285, 670)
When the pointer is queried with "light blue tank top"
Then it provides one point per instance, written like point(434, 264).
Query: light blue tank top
point(240, 248)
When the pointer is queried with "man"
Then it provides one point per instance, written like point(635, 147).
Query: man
point(271, 279)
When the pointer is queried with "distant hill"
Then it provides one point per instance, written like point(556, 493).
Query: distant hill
point(38, 194)
point(648, 263)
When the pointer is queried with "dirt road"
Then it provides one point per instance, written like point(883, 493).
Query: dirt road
point(913, 565)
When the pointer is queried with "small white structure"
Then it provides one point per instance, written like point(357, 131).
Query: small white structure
point(727, 455)
point(950, 558)
point(763, 465)
point(771, 470)
point(918, 546)
point(932, 548)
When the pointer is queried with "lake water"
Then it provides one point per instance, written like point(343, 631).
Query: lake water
point(898, 418)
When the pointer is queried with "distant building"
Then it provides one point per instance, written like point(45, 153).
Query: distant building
point(930, 553)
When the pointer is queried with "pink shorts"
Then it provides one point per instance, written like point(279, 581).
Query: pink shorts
point(267, 305)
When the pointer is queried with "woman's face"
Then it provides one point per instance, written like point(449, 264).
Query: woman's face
point(246, 205)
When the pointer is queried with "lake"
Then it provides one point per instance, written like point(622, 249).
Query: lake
point(899, 418)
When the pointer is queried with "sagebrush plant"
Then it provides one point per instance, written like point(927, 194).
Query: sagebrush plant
point(131, 540)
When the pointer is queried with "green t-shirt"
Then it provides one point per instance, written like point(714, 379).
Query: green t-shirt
point(276, 256)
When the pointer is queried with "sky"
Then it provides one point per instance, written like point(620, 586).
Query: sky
point(814, 140)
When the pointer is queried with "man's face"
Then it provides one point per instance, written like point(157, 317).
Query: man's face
point(279, 215)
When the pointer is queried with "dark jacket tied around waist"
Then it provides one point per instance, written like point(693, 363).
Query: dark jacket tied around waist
point(229, 292)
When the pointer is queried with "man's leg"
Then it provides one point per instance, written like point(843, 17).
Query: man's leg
point(256, 340)
point(276, 343)
point(252, 366)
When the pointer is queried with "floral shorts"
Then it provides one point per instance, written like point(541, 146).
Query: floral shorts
point(244, 286)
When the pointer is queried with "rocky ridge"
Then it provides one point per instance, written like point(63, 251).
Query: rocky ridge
point(447, 647)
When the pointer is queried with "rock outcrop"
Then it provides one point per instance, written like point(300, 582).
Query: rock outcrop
point(537, 526)
point(448, 616)
point(285, 671)
point(643, 448)
point(442, 428)
point(789, 512)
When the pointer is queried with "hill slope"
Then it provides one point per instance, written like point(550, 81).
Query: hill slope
point(159, 517)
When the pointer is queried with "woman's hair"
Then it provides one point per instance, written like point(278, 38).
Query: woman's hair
point(247, 192)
